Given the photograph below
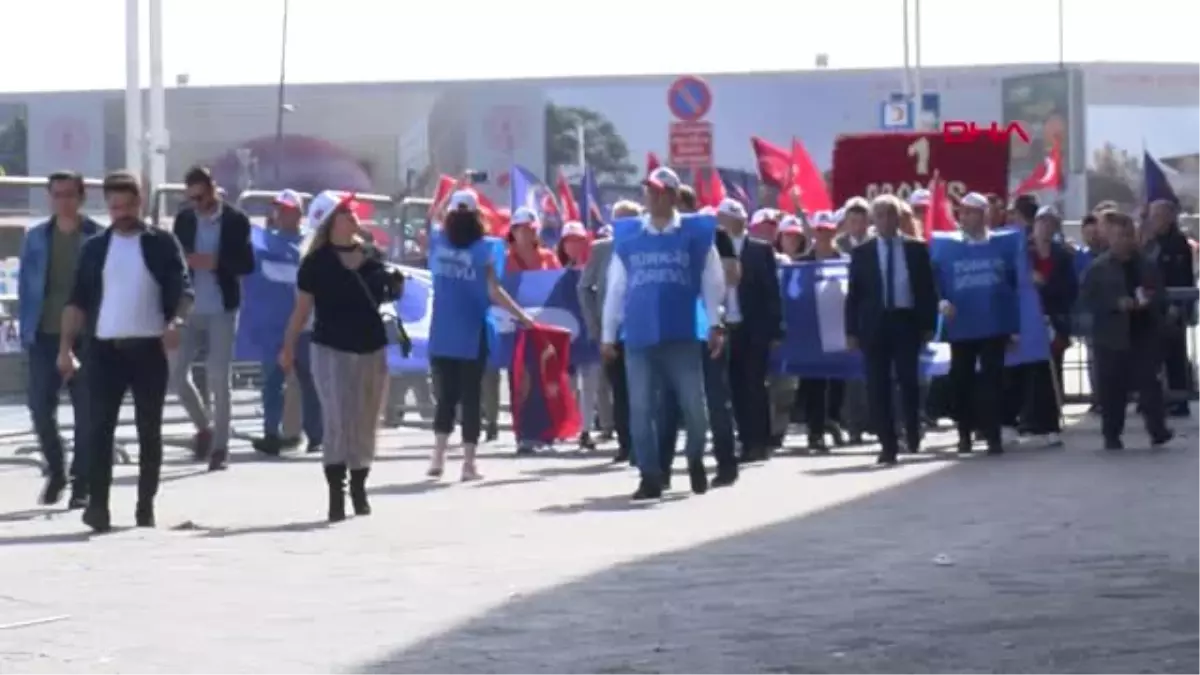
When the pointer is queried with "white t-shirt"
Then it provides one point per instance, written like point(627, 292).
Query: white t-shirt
point(131, 300)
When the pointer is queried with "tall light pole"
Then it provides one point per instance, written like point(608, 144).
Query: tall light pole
point(134, 132)
point(907, 84)
point(1062, 61)
point(281, 104)
point(158, 99)
point(918, 87)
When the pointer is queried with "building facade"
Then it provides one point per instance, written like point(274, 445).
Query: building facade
point(397, 137)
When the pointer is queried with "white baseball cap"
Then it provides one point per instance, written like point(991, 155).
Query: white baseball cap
point(464, 200)
point(839, 215)
point(290, 198)
point(524, 215)
point(973, 200)
point(1047, 211)
point(823, 220)
point(919, 197)
point(765, 215)
point(663, 178)
point(574, 228)
point(855, 203)
point(791, 224)
point(733, 208)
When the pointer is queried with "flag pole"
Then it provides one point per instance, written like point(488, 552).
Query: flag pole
point(907, 79)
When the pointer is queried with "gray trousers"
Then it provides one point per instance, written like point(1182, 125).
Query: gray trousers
point(352, 388)
point(214, 333)
point(490, 397)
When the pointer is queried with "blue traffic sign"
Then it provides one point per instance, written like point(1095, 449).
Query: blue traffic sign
point(689, 98)
point(896, 116)
point(928, 116)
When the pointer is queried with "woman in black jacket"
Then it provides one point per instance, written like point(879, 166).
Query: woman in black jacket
point(1052, 266)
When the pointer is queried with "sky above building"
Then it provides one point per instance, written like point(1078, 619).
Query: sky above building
point(79, 44)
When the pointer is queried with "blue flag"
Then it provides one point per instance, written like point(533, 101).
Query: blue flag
point(590, 207)
point(527, 190)
point(1155, 180)
point(551, 298)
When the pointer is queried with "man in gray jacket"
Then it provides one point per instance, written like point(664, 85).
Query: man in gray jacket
point(592, 289)
point(1123, 292)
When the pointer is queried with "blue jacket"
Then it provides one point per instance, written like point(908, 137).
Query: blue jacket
point(31, 276)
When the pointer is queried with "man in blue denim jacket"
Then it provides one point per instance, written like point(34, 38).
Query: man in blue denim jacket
point(49, 256)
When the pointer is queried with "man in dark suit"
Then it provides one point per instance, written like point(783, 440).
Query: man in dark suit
point(1123, 292)
point(891, 312)
point(215, 236)
point(754, 321)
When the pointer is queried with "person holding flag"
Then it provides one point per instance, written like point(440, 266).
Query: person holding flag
point(981, 320)
point(526, 253)
point(822, 397)
point(465, 285)
point(657, 276)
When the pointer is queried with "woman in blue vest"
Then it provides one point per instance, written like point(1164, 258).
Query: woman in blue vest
point(465, 284)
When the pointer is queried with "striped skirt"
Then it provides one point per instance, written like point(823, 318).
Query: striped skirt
point(351, 388)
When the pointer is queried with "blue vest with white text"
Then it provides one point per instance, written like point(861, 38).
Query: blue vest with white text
point(980, 280)
point(460, 298)
point(662, 273)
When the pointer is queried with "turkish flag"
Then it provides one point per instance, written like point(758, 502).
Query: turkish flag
point(543, 403)
point(806, 189)
point(652, 162)
point(1047, 176)
point(774, 163)
point(940, 217)
point(570, 208)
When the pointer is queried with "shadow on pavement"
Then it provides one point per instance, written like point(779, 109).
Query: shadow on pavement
point(1070, 561)
point(223, 532)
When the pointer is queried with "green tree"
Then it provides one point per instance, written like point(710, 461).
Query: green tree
point(604, 149)
point(14, 144)
point(1115, 175)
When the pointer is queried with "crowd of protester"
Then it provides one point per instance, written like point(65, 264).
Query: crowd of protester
point(104, 311)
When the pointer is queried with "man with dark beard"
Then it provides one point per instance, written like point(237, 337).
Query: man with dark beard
point(132, 293)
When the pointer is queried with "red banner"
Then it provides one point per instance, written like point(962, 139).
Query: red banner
point(869, 165)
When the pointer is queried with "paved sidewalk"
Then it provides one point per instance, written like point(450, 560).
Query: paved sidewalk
point(1049, 561)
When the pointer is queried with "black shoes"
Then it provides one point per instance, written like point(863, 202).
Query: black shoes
point(965, 446)
point(886, 459)
point(1161, 438)
point(218, 459)
point(144, 514)
point(358, 491)
point(648, 490)
point(586, 443)
point(271, 445)
point(817, 446)
point(53, 490)
point(725, 477)
point(1113, 444)
point(335, 477)
point(697, 477)
point(79, 496)
point(492, 433)
point(97, 518)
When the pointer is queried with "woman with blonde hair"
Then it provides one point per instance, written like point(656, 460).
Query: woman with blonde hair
point(342, 286)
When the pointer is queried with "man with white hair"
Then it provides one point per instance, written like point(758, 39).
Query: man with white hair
point(891, 312)
point(592, 290)
point(754, 321)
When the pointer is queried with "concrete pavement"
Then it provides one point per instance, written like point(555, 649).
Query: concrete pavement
point(1050, 561)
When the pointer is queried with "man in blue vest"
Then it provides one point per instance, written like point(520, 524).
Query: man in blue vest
point(655, 279)
point(981, 320)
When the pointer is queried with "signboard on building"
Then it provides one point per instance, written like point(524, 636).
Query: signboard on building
point(690, 144)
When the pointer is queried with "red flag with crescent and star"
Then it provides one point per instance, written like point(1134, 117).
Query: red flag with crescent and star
point(543, 402)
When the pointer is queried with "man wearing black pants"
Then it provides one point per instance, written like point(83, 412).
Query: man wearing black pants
point(754, 320)
point(891, 312)
point(131, 294)
point(1170, 250)
point(1125, 296)
point(977, 358)
point(615, 371)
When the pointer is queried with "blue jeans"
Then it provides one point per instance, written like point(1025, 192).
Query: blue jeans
point(672, 368)
point(720, 413)
point(272, 394)
point(45, 383)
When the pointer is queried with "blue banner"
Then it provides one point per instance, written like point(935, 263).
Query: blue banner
point(813, 305)
point(979, 278)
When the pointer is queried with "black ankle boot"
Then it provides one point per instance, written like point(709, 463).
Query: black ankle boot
point(358, 491)
point(335, 476)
